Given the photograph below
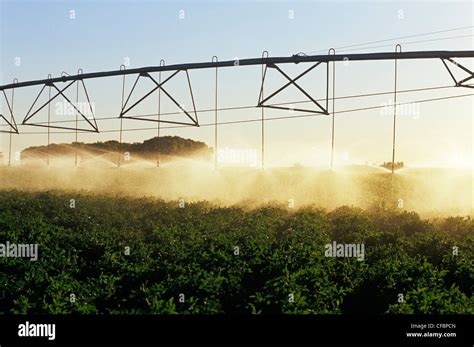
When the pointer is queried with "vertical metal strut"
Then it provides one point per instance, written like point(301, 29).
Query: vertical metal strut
point(395, 108)
point(162, 63)
point(15, 80)
point(79, 72)
point(264, 55)
point(333, 106)
point(215, 117)
point(121, 119)
point(49, 122)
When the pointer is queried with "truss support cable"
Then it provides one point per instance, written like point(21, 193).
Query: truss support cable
point(49, 122)
point(76, 162)
point(280, 103)
point(158, 127)
point(121, 119)
point(327, 88)
point(77, 102)
point(333, 106)
point(192, 100)
point(395, 108)
point(258, 119)
point(264, 70)
point(215, 117)
point(12, 119)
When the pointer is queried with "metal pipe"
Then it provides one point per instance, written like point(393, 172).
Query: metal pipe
point(254, 61)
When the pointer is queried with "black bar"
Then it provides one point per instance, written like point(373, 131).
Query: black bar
point(221, 330)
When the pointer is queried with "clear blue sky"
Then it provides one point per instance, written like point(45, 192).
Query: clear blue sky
point(104, 34)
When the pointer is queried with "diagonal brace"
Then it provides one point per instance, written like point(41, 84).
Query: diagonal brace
point(462, 82)
point(11, 123)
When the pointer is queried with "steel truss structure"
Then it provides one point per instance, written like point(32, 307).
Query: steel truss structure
point(159, 86)
point(268, 64)
point(50, 84)
point(292, 81)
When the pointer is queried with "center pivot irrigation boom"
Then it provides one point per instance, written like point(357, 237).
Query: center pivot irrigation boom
point(272, 63)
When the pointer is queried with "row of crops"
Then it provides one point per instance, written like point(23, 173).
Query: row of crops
point(118, 255)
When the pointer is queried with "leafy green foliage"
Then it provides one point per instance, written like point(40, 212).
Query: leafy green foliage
point(227, 260)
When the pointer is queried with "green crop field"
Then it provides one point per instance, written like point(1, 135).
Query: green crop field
point(124, 255)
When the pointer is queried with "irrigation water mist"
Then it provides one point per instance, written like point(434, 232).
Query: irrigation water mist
point(429, 192)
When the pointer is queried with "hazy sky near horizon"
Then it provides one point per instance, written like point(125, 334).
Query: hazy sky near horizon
point(48, 37)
